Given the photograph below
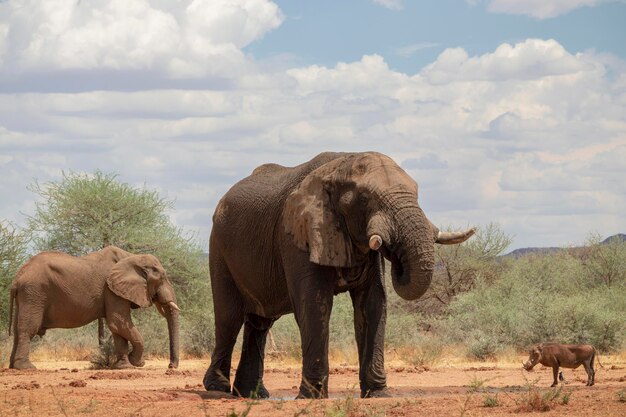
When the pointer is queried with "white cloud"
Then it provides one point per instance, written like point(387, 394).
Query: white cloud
point(369, 76)
point(4, 32)
point(202, 37)
point(529, 135)
point(531, 59)
point(540, 9)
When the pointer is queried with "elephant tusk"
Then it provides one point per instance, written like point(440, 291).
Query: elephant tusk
point(452, 238)
point(375, 242)
point(173, 305)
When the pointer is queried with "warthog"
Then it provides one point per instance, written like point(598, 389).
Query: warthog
point(567, 356)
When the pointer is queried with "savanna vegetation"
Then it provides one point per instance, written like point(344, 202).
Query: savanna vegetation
point(481, 304)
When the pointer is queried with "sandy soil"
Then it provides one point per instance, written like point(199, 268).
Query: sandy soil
point(70, 388)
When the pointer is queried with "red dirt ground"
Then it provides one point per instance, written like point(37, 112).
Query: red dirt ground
point(70, 388)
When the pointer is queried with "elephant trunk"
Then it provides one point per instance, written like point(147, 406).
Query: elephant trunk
point(166, 304)
point(413, 268)
point(173, 330)
point(410, 246)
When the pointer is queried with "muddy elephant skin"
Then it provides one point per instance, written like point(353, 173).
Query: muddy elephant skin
point(285, 240)
point(557, 355)
point(56, 290)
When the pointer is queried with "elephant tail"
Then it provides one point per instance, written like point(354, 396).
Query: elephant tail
point(11, 298)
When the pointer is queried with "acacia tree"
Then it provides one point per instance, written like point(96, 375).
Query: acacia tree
point(459, 267)
point(605, 260)
point(82, 213)
point(12, 255)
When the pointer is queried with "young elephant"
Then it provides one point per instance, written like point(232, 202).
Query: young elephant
point(555, 355)
point(56, 290)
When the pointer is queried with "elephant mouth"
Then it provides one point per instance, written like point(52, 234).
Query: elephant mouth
point(387, 254)
point(397, 265)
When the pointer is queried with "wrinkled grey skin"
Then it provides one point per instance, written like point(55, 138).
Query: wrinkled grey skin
point(556, 355)
point(287, 239)
point(56, 290)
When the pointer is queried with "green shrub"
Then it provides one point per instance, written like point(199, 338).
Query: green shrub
point(541, 298)
point(491, 401)
point(403, 328)
point(287, 337)
point(197, 337)
point(341, 326)
point(104, 357)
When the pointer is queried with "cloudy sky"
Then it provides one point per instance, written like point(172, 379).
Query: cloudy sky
point(507, 111)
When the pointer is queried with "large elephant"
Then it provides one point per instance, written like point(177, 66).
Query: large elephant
point(56, 290)
point(287, 239)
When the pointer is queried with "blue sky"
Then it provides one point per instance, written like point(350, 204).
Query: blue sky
point(326, 32)
point(506, 111)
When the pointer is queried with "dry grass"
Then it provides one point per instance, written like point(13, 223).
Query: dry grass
point(541, 400)
point(55, 347)
point(5, 351)
point(352, 407)
point(338, 356)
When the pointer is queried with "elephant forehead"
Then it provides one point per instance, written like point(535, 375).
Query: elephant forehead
point(152, 261)
point(149, 261)
point(370, 169)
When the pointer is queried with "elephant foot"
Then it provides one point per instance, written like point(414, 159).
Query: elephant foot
point(308, 391)
point(22, 364)
point(173, 365)
point(136, 361)
point(215, 384)
point(376, 393)
point(553, 385)
point(257, 392)
point(122, 364)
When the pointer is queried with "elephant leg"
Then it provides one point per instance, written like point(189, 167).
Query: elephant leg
point(229, 317)
point(370, 310)
point(249, 376)
point(14, 349)
point(28, 323)
point(121, 351)
point(136, 340)
point(133, 336)
point(123, 330)
point(311, 292)
point(101, 335)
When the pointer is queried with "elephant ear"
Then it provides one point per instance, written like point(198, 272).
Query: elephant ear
point(128, 281)
point(310, 218)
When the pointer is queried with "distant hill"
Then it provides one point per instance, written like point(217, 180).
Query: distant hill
point(620, 236)
point(518, 253)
